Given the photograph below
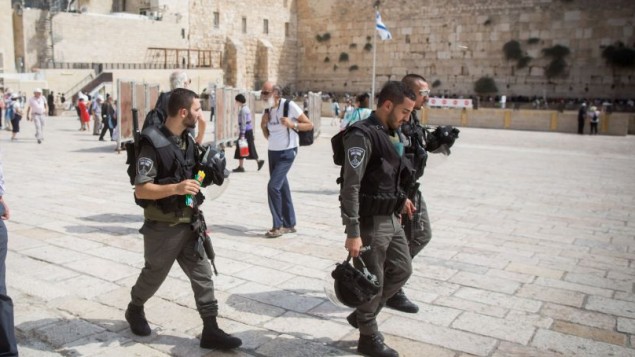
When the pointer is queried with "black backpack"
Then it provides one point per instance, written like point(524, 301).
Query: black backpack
point(158, 115)
point(306, 137)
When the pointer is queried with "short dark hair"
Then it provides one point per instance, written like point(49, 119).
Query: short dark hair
point(241, 98)
point(363, 100)
point(411, 79)
point(395, 92)
point(180, 98)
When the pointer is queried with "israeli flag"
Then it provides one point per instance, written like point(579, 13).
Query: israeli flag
point(381, 28)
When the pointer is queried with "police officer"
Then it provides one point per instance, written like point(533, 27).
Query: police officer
point(372, 200)
point(165, 171)
point(417, 228)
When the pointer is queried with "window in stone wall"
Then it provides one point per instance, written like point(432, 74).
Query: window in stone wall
point(286, 29)
point(244, 24)
point(216, 19)
point(265, 26)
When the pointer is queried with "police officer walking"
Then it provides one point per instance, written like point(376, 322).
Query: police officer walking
point(164, 175)
point(372, 200)
point(418, 143)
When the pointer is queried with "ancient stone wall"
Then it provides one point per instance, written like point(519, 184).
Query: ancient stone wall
point(7, 51)
point(456, 42)
point(241, 28)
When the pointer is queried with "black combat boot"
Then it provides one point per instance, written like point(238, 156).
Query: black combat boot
point(214, 337)
point(400, 302)
point(137, 320)
point(352, 320)
point(374, 346)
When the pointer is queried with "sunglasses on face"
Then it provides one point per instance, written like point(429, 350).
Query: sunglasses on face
point(264, 92)
point(424, 92)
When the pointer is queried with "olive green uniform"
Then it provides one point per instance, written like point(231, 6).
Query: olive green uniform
point(389, 258)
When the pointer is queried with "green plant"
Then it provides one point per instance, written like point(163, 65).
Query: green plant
point(523, 62)
point(323, 38)
point(618, 55)
point(327, 59)
point(436, 83)
point(368, 47)
point(353, 68)
point(555, 68)
point(557, 51)
point(343, 57)
point(485, 85)
point(558, 65)
point(512, 50)
point(533, 40)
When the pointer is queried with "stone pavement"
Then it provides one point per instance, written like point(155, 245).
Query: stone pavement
point(533, 252)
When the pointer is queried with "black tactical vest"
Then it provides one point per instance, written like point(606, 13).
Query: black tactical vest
point(173, 166)
point(380, 191)
point(415, 151)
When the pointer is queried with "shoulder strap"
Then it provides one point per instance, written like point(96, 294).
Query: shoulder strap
point(285, 108)
point(156, 137)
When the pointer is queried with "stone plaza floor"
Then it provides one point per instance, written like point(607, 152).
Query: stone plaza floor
point(533, 252)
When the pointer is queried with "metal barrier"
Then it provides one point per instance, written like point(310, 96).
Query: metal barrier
point(141, 96)
point(315, 112)
point(226, 114)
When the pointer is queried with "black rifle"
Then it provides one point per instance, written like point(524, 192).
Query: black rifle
point(204, 242)
point(132, 147)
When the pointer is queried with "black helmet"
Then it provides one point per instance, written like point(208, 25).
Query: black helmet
point(213, 163)
point(354, 287)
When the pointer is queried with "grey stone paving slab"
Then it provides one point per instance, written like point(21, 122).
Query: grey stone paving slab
point(513, 331)
point(611, 306)
point(518, 236)
point(440, 336)
point(576, 346)
point(286, 345)
point(60, 334)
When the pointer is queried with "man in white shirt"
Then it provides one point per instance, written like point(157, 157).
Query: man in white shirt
point(37, 106)
point(282, 133)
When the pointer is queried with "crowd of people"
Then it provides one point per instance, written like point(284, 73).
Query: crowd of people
point(383, 154)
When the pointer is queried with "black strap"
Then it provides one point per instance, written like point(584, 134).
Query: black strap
point(285, 113)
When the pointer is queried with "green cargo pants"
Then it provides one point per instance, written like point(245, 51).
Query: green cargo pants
point(163, 244)
point(389, 259)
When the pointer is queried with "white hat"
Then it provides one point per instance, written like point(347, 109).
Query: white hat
point(100, 97)
point(37, 90)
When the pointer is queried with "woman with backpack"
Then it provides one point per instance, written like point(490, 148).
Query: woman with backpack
point(594, 116)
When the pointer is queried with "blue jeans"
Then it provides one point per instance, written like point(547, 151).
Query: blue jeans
point(278, 192)
point(8, 345)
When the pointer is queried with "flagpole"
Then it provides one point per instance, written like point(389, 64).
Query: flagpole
point(372, 91)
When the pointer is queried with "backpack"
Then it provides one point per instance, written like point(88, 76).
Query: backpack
point(306, 137)
point(158, 115)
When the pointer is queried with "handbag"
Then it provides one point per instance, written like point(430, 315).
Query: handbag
point(243, 147)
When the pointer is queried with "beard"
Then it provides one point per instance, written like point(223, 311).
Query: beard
point(271, 102)
point(190, 121)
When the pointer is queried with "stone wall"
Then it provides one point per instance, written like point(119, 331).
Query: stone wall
point(457, 42)
point(7, 51)
point(243, 66)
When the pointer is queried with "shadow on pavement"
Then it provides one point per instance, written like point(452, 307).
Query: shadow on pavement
point(114, 218)
point(100, 149)
point(111, 230)
point(236, 231)
point(319, 192)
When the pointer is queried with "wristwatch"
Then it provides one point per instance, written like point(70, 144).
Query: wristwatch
point(295, 126)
